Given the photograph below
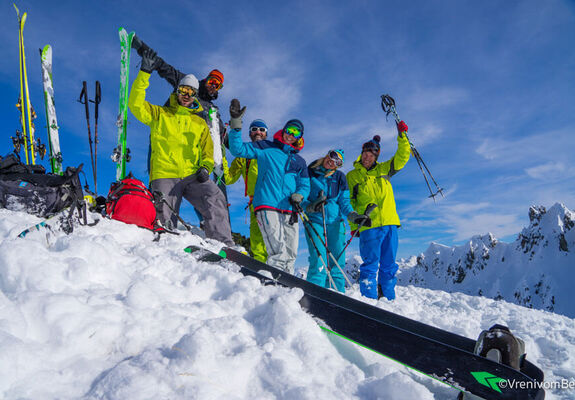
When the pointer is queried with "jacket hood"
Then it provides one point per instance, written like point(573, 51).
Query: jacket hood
point(297, 146)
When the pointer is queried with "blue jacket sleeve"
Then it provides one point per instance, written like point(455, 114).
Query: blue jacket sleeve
point(240, 149)
point(343, 201)
point(303, 183)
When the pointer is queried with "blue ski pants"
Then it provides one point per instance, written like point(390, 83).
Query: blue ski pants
point(378, 247)
point(317, 272)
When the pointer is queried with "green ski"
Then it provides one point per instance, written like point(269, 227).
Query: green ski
point(121, 154)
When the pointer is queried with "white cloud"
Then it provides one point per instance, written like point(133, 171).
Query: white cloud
point(549, 170)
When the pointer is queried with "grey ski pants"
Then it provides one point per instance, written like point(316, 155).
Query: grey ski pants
point(281, 238)
point(206, 197)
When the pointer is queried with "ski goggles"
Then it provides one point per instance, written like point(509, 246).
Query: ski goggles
point(255, 129)
point(186, 91)
point(335, 157)
point(214, 82)
point(294, 131)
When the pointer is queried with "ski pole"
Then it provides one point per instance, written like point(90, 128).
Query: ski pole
point(159, 196)
point(370, 207)
point(321, 194)
point(299, 211)
point(388, 106)
point(84, 100)
point(305, 219)
point(96, 101)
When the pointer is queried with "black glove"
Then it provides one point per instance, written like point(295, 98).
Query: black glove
point(236, 114)
point(202, 175)
point(315, 206)
point(359, 219)
point(296, 199)
point(149, 61)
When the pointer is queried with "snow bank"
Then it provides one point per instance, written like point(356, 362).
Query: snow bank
point(106, 312)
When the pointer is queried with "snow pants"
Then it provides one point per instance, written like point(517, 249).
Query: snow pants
point(280, 238)
point(257, 244)
point(205, 197)
point(378, 247)
point(317, 272)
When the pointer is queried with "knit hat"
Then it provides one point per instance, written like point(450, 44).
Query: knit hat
point(260, 123)
point(294, 122)
point(190, 80)
point(217, 74)
point(372, 146)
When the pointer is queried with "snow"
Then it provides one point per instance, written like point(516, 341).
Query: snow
point(107, 313)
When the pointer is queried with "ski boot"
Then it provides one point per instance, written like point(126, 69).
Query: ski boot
point(500, 345)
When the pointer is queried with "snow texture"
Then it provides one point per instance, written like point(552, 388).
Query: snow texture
point(107, 313)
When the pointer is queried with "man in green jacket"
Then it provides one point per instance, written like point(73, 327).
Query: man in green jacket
point(248, 169)
point(181, 157)
point(369, 182)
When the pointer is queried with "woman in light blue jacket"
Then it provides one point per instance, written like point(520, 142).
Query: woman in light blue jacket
point(328, 191)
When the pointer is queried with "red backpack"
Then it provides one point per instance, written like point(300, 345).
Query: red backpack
point(130, 201)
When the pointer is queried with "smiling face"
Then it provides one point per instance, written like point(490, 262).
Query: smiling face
point(289, 139)
point(367, 159)
point(186, 95)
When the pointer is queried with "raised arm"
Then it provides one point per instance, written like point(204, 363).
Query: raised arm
point(142, 109)
point(165, 70)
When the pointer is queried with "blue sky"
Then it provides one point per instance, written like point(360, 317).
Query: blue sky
point(487, 89)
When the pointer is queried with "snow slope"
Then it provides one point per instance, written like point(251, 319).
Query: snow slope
point(536, 270)
point(106, 313)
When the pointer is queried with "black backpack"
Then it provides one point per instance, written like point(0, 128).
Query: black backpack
point(28, 188)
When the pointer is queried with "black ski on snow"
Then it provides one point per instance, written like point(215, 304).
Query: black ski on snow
point(442, 355)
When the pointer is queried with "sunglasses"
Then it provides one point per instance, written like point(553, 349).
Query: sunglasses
point(294, 131)
point(258, 128)
point(336, 158)
point(214, 82)
point(186, 91)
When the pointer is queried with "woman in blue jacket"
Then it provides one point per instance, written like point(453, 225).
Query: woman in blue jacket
point(328, 191)
point(282, 182)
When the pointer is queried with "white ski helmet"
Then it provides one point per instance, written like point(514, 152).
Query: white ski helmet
point(190, 80)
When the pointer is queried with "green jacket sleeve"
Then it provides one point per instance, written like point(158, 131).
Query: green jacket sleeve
point(399, 159)
point(142, 110)
point(352, 180)
point(236, 170)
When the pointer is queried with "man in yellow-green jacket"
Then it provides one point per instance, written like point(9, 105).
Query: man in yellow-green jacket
point(248, 169)
point(369, 182)
point(181, 158)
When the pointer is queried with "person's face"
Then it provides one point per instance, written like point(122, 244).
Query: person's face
point(289, 139)
point(212, 85)
point(258, 133)
point(367, 159)
point(328, 163)
point(186, 96)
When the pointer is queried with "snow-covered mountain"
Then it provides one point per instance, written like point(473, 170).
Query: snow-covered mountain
point(537, 270)
point(108, 313)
